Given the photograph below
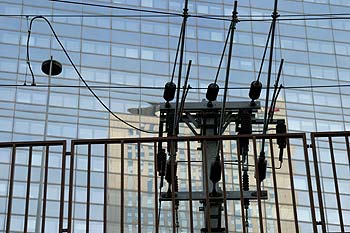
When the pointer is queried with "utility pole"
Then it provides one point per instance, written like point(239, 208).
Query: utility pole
point(198, 116)
point(211, 118)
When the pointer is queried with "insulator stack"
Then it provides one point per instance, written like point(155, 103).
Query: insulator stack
point(246, 186)
point(255, 90)
point(161, 162)
point(170, 123)
point(168, 171)
point(281, 128)
point(246, 128)
point(245, 181)
point(169, 91)
point(212, 92)
point(246, 122)
point(262, 165)
point(215, 171)
point(215, 174)
point(177, 202)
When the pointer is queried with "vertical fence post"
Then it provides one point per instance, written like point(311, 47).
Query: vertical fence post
point(258, 186)
point(43, 217)
point(336, 186)
point(275, 186)
point(190, 183)
point(88, 187)
point(63, 178)
point(71, 185)
point(139, 206)
point(318, 183)
point(122, 187)
point(292, 187)
point(105, 187)
point(29, 174)
point(155, 187)
point(10, 197)
point(240, 184)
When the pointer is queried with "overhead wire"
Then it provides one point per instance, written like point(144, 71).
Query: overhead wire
point(222, 55)
point(241, 18)
point(208, 16)
point(177, 52)
point(164, 14)
point(77, 71)
point(118, 7)
point(161, 88)
point(264, 54)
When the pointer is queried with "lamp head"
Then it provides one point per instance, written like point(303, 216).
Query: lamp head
point(56, 67)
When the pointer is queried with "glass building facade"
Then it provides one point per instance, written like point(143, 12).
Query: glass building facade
point(125, 56)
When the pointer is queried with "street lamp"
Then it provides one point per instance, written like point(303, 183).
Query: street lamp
point(51, 67)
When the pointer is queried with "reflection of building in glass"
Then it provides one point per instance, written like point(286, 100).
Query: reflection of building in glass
point(139, 51)
point(232, 183)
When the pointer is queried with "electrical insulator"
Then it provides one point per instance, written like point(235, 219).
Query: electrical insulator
point(168, 175)
point(245, 181)
point(169, 91)
point(246, 187)
point(161, 162)
point(215, 173)
point(246, 122)
point(281, 128)
point(212, 92)
point(262, 165)
point(177, 202)
point(255, 90)
point(245, 117)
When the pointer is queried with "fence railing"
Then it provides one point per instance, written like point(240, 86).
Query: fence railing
point(112, 185)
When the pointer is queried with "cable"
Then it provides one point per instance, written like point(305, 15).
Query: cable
point(177, 51)
point(293, 19)
point(118, 7)
point(242, 20)
point(214, 17)
point(276, 92)
point(163, 14)
point(90, 15)
point(222, 55)
point(247, 18)
point(77, 71)
point(264, 54)
point(161, 88)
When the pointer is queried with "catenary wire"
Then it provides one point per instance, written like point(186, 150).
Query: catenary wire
point(222, 55)
point(117, 7)
point(177, 15)
point(241, 19)
point(77, 71)
point(162, 88)
point(89, 15)
point(215, 17)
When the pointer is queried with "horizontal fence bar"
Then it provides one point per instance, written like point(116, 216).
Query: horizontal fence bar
point(32, 143)
point(331, 134)
point(182, 139)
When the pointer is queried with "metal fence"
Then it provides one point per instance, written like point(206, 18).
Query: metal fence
point(112, 185)
point(21, 168)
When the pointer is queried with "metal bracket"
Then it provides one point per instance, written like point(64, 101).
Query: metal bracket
point(230, 195)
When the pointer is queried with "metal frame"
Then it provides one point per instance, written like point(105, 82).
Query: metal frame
point(312, 174)
point(329, 137)
point(31, 146)
point(190, 196)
